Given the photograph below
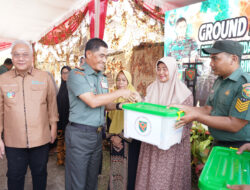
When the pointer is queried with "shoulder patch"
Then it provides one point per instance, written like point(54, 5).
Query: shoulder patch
point(79, 73)
point(247, 84)
point(246, 90)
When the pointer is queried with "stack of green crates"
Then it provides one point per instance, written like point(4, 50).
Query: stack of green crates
point(224, 167)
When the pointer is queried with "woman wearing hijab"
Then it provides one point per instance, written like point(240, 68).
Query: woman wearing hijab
point(124, 152)
point(166, 169)
point(63, 110)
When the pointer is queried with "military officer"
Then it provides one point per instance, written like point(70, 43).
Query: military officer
point(226, 112)
point(88, 97)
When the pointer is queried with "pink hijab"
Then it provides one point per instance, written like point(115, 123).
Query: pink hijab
point(173, 91)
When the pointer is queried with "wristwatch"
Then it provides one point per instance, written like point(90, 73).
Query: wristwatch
point(118, 106)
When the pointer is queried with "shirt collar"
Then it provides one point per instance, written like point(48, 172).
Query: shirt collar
point(236, 74)
point(30, 72)
point(89, 71)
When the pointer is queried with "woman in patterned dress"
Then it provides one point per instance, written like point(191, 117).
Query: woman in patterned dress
point(124, 152)
point(166, 169)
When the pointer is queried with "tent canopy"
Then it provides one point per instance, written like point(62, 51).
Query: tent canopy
point(30, 20)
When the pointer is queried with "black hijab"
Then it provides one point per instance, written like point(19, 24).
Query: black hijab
point(63, 103)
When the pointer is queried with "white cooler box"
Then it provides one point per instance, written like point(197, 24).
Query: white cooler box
point(152, 123)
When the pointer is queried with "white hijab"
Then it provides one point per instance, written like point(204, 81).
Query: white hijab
point(172, 91)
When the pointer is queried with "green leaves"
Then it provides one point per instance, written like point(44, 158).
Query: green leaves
point(201, 142)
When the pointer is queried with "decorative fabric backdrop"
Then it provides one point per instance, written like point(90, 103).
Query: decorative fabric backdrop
point(53, 58)
point(127, 26)
point(141, 65)
point(65, 29)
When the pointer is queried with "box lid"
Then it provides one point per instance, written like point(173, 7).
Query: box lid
point(154, 109)
point(224, 167)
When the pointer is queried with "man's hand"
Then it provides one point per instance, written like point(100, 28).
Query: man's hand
point(125, 93)
point(190, 115)
point(130, 96)
point(53, 132)
point(135, 97)
point(2, 149)
point(239, 187)
point(243, 148)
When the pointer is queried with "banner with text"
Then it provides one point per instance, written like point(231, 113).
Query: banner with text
point(191, 28)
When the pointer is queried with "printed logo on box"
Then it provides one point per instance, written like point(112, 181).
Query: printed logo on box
point(143, 126)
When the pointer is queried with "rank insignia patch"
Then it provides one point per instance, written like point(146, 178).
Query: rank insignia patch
point(242, 104)
point(80, 73)
point(246, 91)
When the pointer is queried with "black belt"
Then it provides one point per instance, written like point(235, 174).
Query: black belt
point(234, 144)
point(87, 128)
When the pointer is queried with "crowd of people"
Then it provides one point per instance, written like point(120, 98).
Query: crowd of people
point(33, 115)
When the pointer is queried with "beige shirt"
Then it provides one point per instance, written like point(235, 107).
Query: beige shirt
point(27, 108)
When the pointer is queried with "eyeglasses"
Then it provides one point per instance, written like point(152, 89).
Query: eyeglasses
point(19, 55)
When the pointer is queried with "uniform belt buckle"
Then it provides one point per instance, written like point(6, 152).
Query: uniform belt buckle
point(99, 129)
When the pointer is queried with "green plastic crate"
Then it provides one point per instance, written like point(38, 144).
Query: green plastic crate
point(224, 167)
point(153, 124)
point(154, 109)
